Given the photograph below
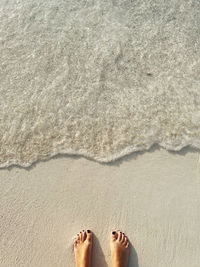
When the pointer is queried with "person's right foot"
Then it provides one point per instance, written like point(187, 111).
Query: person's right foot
point(119, 249)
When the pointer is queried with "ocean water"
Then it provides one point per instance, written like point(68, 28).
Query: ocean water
point(97, 78)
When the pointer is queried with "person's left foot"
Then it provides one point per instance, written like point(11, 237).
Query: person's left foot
point(83, 248)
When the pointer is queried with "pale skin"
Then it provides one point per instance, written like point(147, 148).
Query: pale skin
point(119, 246)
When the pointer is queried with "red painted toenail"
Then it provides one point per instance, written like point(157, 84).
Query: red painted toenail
point(88, 231)
point(113, 233)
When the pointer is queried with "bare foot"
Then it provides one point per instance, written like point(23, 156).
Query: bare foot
point(119, 249)
point(83, 248)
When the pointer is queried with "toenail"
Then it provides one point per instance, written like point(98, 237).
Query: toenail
point(123, 233)
point(114, 233)
point(88, 231)
point(83, 230)
point(120, 232)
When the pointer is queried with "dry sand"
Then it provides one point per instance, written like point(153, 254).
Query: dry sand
point(154, 197)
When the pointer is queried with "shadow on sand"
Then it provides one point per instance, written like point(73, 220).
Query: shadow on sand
point(98, 259)
point(133, 258)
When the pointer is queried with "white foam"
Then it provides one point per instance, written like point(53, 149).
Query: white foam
point(99, 79)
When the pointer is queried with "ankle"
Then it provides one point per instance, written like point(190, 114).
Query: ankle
point(83, 264)
point(118, 263)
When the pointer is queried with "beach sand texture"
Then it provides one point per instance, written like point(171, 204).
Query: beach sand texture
point(99, 79)
point(153, 197)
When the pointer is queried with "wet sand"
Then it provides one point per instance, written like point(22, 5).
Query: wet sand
point(152, 196)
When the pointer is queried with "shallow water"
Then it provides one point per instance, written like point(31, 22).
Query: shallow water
point(97, 78)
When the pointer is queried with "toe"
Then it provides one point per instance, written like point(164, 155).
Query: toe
point(78, 239)
point(119, 236)
point(127, 245)
point(75, 244)
point(84, 235)
point(123, 238)
point(81, 236)
point(89, 235)
point(114, 236)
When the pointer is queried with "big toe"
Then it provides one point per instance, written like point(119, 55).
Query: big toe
point(89, 236)
point(114, 236)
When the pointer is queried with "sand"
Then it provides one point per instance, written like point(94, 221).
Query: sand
point(100, 79)
point(152, 196)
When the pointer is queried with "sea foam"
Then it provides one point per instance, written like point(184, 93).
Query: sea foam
point(97, 78)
